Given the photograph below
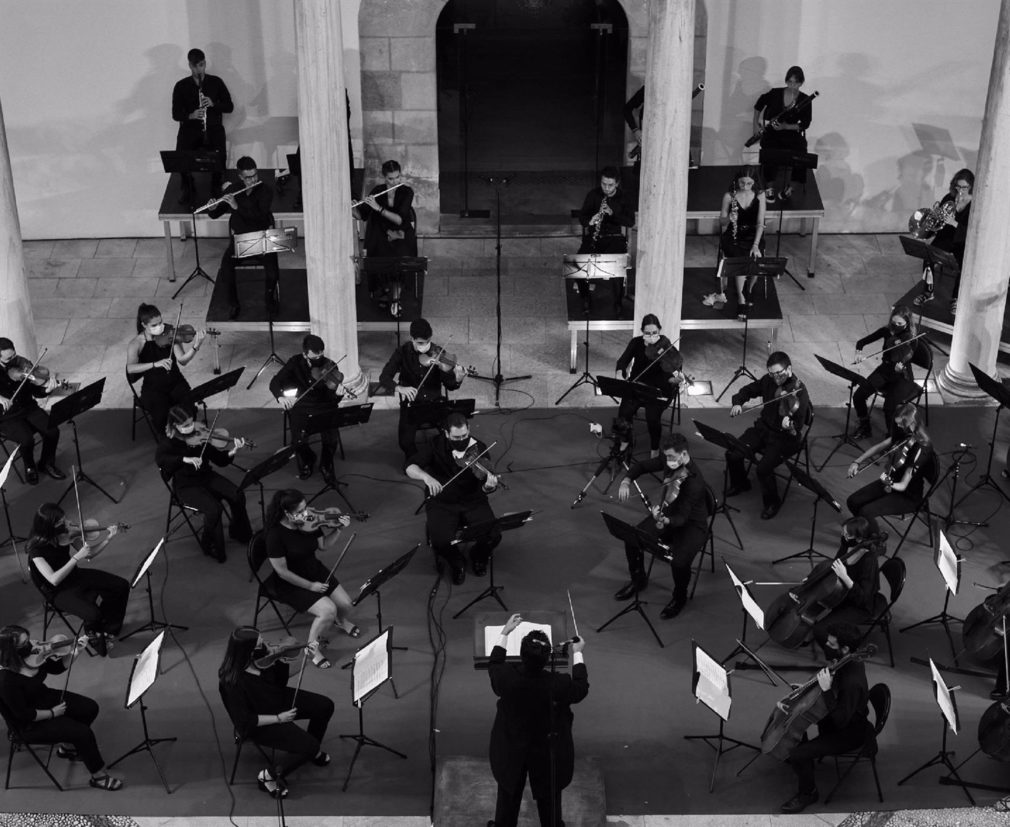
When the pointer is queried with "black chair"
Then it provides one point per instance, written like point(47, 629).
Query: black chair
point(708, 547)
point(179, 513)
point(880, 700)
point(922, 511)
point(139, 411)
point(19, 741)
point(240, 742)
point(266, 592)
point(286, 426)
point(801, 456)
point(893, 571)
point(918, 388)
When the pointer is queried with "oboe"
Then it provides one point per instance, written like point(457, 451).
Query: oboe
point(597, 220)
point(201, 105)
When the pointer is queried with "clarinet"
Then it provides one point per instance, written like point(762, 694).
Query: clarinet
point(598, 218)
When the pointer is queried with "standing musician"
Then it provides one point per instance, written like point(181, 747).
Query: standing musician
point(680, 520)
point(846, 726)
point(605, 212)
point(782, 117)
point(414, 377)
point(294, 533)
point(264, 708)
point(777, 434)
point(534, 717)
point(892, 378)
point(291, 387)
point(155, 355)
point(955, 209)
point(899, 489)
point(655, 362)
point(461, 502)
point(198, 102)
point(389, 228)
point(58, 571)
point(251, 211)
point(185, 458)
point(634, 117)
point(22, 417)
point(49, 716)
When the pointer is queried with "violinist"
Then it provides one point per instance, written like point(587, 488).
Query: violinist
point(21, 417)
point(60, 570)
point(49, 716)
point(301, 580)
point(846, 726)
point(892, 378)
point(153, 355)
point(777, 434)
point(186, 458)
point(462, 502)
point(291, 388)
point(415, 379)
point(680, 520)
point(898, 489)
point(655, 362)
point(264, 709)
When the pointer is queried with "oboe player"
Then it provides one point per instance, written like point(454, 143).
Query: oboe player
point(604, 215)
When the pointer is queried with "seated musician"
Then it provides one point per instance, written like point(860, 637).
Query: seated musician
point(680, 520)
point(900, 487)
point(955, 208)
point(153, 355)
point(846, 726)
point(415, 379)
point(22, 417)
point(251, 211)
point(605, 212)
point(462, 502)
point(389, 230)
point(777, 434)
point(61, 572)
point(302, 581)
point(291, 387)
point(264, 708)
point(655, 362)
point(45, 715)
point(892, 378)
point(186, 459)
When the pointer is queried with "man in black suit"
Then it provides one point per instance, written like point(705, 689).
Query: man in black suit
point(532, 704)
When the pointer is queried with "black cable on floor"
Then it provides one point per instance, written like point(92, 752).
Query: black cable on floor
point(437, 641)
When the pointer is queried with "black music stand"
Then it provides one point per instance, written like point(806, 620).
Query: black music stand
point(855, 380)
point(627, 533)
point(728, 442)
point(436, 412)
point(12, 538)
point(396, 268)
point(506, 522)
point(272, 357)
point(766, 268)
point(749, 608)
point(67, 410)
point(998, 391)
point(144, 570)
point(256, 474)
point(931, 255)
point(219, 384)
point(785, 159)
point(820, 493)
point(949, 565)
point(186, 163)
point(336, 418)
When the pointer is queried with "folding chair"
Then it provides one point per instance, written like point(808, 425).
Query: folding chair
point(138, 410)
point(708, 547)
point(178, 512)
point(922, 511)
point(893, 571)
point(266, 592)
point(880, 701)
point(19, 741)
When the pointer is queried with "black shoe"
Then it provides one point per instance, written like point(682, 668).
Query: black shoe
point(733, 490)
point(863, 430)
point(328, 476)
point(96, 640)
point(305, 471)
point(673, 608)
point(629, 590)
point(479, 567)
point(234, 311)
point(53, 472)
point(31, 476)
point(458, 575)
point(799, 802)
point(770, 511)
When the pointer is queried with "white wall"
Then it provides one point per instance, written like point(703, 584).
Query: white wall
point(902, 83)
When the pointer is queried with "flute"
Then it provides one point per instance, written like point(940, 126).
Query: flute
point(215, 201)
point(362, 201)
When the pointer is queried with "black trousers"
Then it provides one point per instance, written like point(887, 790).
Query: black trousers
point(685, 541)
point(74, 727)
point(22, 427)
point(191, 136)
point(894, 388)
point(298, 419)
point(506, 811)
point(208, 500)
point(653, 417)
point(445, 519)
point(226, 273)
point(96, 597)
point(774, 447)
point(302, 744)
point(804, 754)
point(411, 420)
point(158, 400)
point(873, 501)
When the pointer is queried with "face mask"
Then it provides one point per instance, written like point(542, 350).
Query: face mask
point(317, 361)
point(25, 649)
point(459, 444)
point(422, 348)
point(158, 329)
point(186, 429)
point(260, 651)
point(830, 652)
point(894, 328)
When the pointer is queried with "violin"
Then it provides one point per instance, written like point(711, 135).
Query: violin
point(314, 518)
point(57, 647)
point(181, 335)
point(215, 437)
point(471, 459)
point(19, 369)
point(327, 374)
point(286, 649)
point(91, 534)
point(446, 362)
point(671, 490)
point(898, 462)
point(789, 403)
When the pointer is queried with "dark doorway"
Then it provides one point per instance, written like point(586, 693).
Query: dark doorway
point(533, 89)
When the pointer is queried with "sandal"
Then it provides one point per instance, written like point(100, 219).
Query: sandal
point(105, 782)
point(354, 631)
point(322, 759)
point(319, 660)
point(67, 753)
point(275, 788)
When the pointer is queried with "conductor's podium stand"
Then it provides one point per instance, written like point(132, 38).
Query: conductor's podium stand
point(465, 794)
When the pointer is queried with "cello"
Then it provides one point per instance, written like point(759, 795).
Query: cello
point(994, 725)
point(980, 633)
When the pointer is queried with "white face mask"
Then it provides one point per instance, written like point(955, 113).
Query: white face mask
point(158, 329)
point(422, 348)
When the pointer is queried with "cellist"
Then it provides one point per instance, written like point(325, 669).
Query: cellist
point(846, 726)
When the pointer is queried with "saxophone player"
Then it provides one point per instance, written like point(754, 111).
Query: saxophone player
point(605, 213)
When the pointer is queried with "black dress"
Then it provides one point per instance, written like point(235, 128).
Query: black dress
point(738, 237)
point(774, 106)
point(160, 389)
point(299, 549)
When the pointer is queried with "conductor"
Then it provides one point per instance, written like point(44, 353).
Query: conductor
point(534, 711)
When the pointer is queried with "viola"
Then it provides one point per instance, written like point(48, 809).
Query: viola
point(19, 368)
point(57, 647)
point(471, 459)
point(215, 437)
point(286, 649)
point(979, 633)
point(671, 490)
point(314, 518)
point(446, 362)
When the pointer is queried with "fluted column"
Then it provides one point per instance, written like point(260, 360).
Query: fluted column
point(326, 186)
point(666, 133)
point(980, 305)
point(16, 322)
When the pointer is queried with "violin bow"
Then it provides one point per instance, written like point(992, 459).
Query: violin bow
point(28, 373)
point(206, 442)
point(892, 347)
point(662, 353)
point(322, 375)
point(77, 496)
point(885, 455)
point(301, 672)
point(793, 392)
point(329, 574)
point(1006, 656)
point(427, 373)
point(175, 332)
point(449, 481)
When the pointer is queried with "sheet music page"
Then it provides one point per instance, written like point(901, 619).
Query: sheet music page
point(750, 605)
point(492, 633)
point(7, 466)
point(146, 671)
point(371, 667)
point(943, 698)
point(712, 688)
point(946, 562)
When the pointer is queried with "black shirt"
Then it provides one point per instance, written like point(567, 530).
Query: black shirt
point(170, 455)
point(657, 375)
point(623, 211)
point(406, 362)
point(847, 700)
point(297, 373)
point(254, 695)
point(690, 508)
point(20, 692)
point(25, 399)
point(765, 389)
point(186, 99)
point(436, 458)
point(774, 105)
point(254, 209)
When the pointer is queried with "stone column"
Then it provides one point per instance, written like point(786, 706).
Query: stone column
point(326, 187)
point(666, 137)
point(16, 322)
point(980, 306)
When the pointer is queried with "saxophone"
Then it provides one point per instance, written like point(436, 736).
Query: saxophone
point(597, 220)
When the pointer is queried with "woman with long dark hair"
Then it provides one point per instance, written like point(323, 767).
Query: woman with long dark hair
point(955, 207)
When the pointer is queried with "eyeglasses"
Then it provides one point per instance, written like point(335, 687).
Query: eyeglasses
point(774, 374)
